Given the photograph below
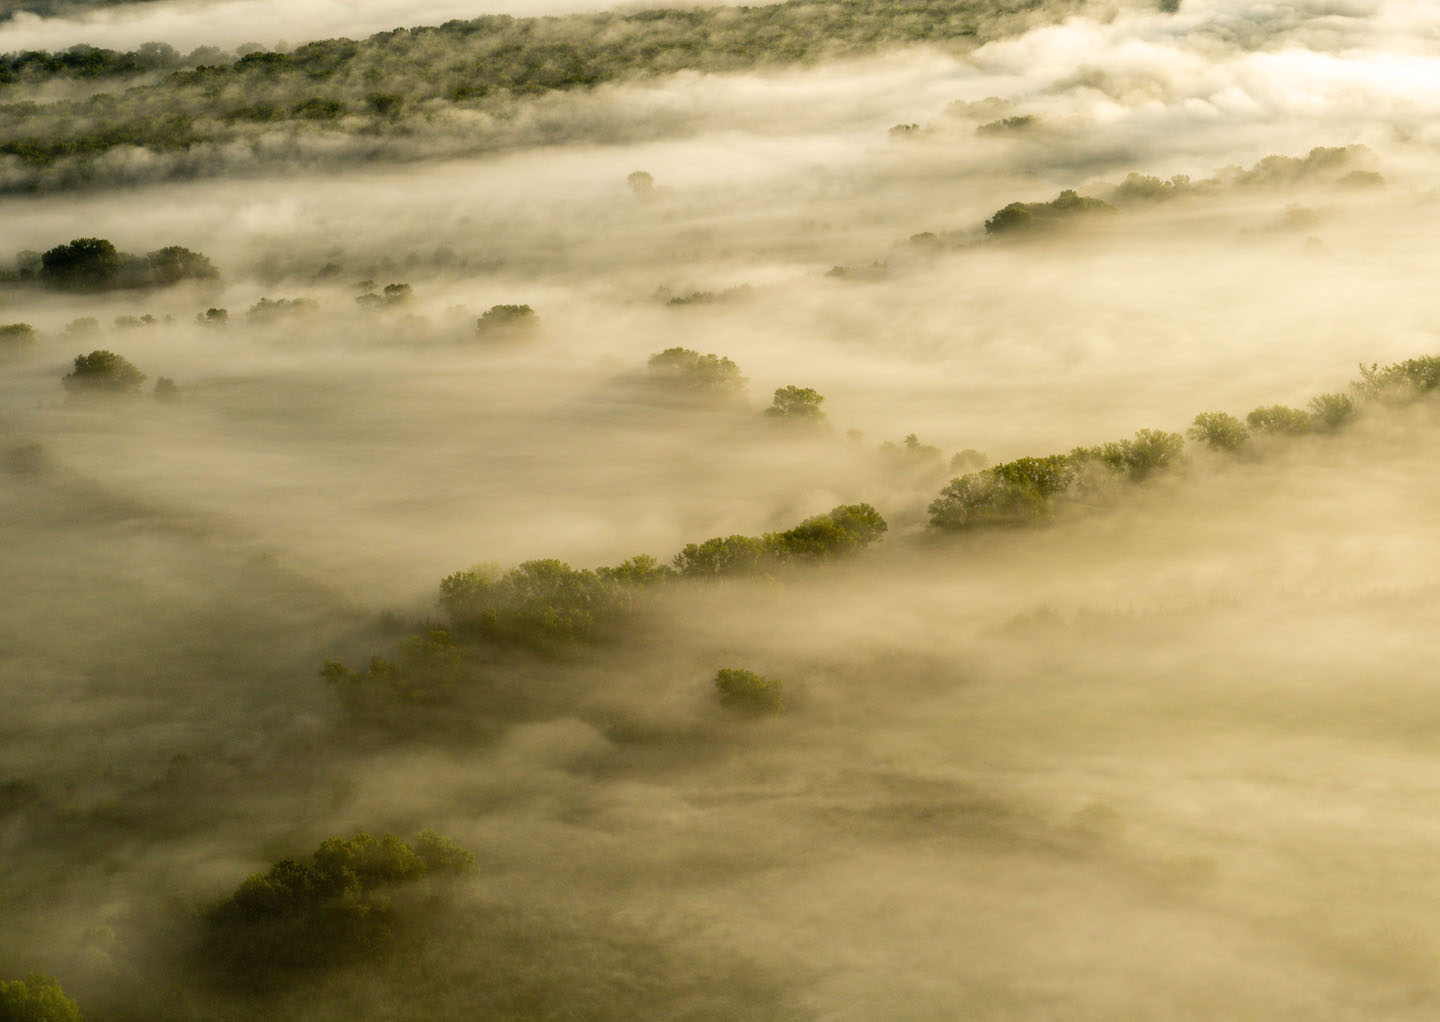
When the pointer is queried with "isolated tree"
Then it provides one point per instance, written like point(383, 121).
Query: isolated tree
point(1219, 431)
point(103, 372)
point(85, 264)
point(749, 693)
point(36, 998)
point(641, 183)
point(797, 404)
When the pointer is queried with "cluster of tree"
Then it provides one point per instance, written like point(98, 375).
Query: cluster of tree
point(748, 693)
point(1342, 165)
point(106, 373)
point(1029, 490)
point(341, 903)
point(265, 310)
point(839, 532)
point(390, 296)
point(503, 321)
point(485, 63)
point(16, 340)
point(705, 297)
point(1008, 125)
point(688, 371)
point(1021, 217)
point(89, 62)
point(36, 998)
point(95, 264)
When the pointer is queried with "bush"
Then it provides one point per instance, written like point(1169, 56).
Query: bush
point(749, 693)
point(103, 372)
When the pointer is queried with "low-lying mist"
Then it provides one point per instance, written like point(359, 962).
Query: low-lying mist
point(1151, 744)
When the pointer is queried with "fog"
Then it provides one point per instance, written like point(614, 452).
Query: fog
point(1159, 752)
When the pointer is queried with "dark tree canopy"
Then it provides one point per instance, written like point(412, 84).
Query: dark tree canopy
point(797, 404)
point(749, 693)
point(85, 264)
point(688, 370)
point(103, 372)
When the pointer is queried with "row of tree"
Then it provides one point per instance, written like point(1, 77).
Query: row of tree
point(95, 264)
point(1028, 490)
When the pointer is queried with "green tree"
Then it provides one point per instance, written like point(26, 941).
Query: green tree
point(36, 998)
point(708, 375)
point(721, 556)
point(1400, 382)
point(507, 320)
point(1013, 493)
point(749, 693)
point(16, 339)
point(172, 264)
point(841, 531)
point(1331, 411)
point(1278, 419)
point(797, 404)
point(103, 372)
point(85, 264)
point(1150, 451)
point(1219, 431)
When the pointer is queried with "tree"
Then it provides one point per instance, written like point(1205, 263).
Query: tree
point(798, 404)
point(1401, 382)
point(1013, 493)
point(103, 372)
point(1150, 451)
point(172, 264)
point(1219, 431)
point(166, 391)
point(1279, 419)
point(507, 320)
point(16, 339)
point(699, 374)
point(1331, 411)
point(85, 264)
point(746, 692)
point(641, 183)
point(841, 531)
point(723, 555)
point(36, 998)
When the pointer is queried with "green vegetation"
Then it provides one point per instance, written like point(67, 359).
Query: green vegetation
point(373, 88)
point(36, 998)
point(1279, 419)
point(342, 903)
point(688, 371)
point(1013, 493)
point(798, 405)
point(1401, 382)
point(94, 264)
point(749, 693)
point(103, 372)
point(507, 321)
point(16, 339)
point(1019, 217)
point(1219, 431)
point(1151, 451)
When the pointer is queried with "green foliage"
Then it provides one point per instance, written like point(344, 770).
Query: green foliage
point(1007, 125)
point(268, 309)
point(1400, 382)
point(798, 405)
point(85, 264)
point(16, 339)
point(1020, 217)
point(103, 372)
point(36, 998)
point(1280, 420)
point(1219, 431)
point(538, 601)
point(640, 570)
point(94, 264)
point(1017, 492)
point(841, 531)
point(1331, 411)
point(1150, 451)
point(722, 556)
point(687, 370)
point(338, 905)
point(749, 693)
point(507, 320)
